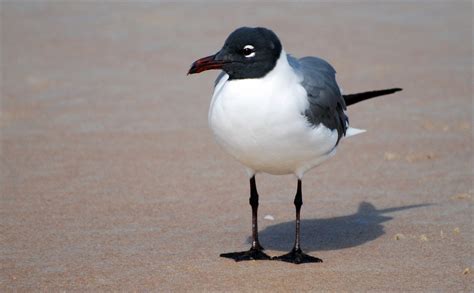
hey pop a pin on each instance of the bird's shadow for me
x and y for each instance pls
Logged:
(333, 233)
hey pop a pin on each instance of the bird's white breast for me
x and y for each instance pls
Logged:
(261, 123)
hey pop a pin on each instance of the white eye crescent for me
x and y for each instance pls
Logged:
(248, 51)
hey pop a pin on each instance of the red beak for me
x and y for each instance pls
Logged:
(206, 63)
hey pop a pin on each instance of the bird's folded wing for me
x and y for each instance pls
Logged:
(326, 104)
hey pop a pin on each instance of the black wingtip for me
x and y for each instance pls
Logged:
(355, 98)
(394, 90)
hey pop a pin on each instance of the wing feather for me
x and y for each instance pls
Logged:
(326, 104)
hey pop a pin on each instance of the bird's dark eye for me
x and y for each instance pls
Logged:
(248, 51)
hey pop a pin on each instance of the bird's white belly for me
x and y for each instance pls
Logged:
(262, 126)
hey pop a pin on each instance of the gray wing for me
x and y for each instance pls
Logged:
(326, 104)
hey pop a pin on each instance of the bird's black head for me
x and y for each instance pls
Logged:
(247, 53)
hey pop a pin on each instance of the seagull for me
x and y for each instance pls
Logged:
(276, 114)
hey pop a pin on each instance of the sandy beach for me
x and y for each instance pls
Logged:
(111, 180)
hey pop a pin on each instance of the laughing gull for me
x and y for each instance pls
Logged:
(276, 114)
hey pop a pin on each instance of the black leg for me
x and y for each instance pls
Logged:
(256, 250)
(296, 255)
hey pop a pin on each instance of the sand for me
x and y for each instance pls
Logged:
(110, 178)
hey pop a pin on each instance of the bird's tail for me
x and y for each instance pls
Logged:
(356, 98)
